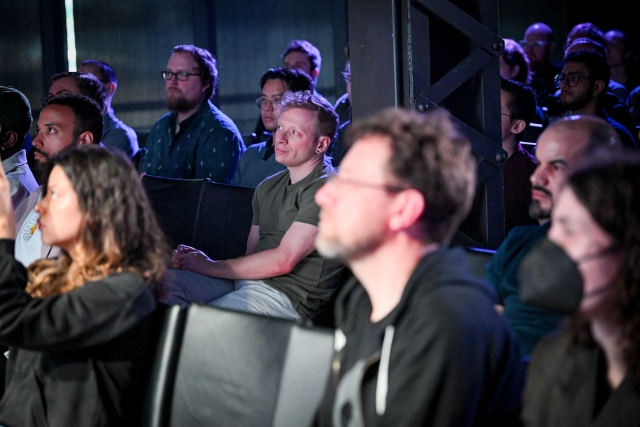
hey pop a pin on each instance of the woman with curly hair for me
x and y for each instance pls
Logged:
(81, 328)
(589, 375)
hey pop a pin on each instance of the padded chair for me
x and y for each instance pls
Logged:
(477, 259)
(238, 369)
(177, 205)
(224, 220)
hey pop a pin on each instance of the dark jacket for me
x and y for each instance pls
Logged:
(77, 359)
(452, 360)
(563, 388)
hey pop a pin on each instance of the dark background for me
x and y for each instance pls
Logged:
(246, 36)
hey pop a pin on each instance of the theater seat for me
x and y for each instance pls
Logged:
(241, 369)
(477, 259)
(212, 217)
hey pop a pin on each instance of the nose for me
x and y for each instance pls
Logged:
(41, 206)
(323, 196)
(539, 177)
(267, 105)
(37, 141)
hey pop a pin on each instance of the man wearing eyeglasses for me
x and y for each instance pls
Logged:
(195, 140)
(418, 340)
(259, 161)
(539, 44)
(583, 83)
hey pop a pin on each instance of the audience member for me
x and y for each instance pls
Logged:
(338, 148)
(259, 161)
(634, 108)
(539, 44)
(299, 55)
(514, 63)
(582, 85)
(195, 140)
(80, 328)
(73, 83)
(518, 108)
(281, 275)
(115, 133)
(589, 374)
(418, 340)
(625, 66)
(559, 147)
(67, 121)
(15, 122)
(343, 104)
(585, 30)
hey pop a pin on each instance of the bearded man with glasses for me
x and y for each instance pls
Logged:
(583, 83)
(196, 139)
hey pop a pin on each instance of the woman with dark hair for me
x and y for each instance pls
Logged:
(589, 375)
(80, 328)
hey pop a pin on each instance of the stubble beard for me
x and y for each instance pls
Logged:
(177, 102)
(536, 211)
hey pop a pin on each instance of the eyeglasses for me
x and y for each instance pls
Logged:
(336, 179)
(572, 79)
(539, 43)
(180, 75)
(271, 103)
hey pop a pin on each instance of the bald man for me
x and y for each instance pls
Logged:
(539, 44)
(559, 146)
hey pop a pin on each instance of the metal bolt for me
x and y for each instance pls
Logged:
(422, 107)
(500, 157)
(497, 45)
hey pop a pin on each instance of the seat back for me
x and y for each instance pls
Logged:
(157, 401)
(224, 220)
(177, 205)
(248, 370)
(477, 259)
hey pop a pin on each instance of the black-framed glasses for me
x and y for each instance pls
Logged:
(572, 79)
(335, 178)
(538, 43)
(264, 102)
(180, 75)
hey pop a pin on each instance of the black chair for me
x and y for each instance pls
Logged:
(177, 205)
(238, 369)
(224, 220)
(477, 259)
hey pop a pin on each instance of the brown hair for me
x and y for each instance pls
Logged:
(431, 156)
(119, 231)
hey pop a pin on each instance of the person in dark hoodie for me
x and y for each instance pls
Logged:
(81, 328)
(418, 340)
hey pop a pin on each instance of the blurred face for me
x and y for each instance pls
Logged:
(183, 96)
(355, 207)
(576, 97)
(295, 139)
(616, 53)
(555, 150)
(584, 241)
(298, 61)
(272, 91)
(60, 216)
(537, 48)
(63, 86)
(55, 131)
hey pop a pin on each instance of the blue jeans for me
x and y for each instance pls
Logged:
(252, 296)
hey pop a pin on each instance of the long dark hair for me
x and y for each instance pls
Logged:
(609, 188)
(119, 230)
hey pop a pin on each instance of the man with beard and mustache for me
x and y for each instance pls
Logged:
(418, 340)
(196, 140)
(582, 83)
(66, 121)
(560, 146)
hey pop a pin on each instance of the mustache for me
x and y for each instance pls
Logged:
(541, 189)
(39, 151)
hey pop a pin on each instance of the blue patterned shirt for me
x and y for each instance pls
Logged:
(118, 135)
(208, 145)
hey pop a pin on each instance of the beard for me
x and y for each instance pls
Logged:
(177, 102)
(536, 211)
(578, 102)
(333, 248)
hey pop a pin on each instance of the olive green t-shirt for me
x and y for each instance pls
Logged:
(277, 205)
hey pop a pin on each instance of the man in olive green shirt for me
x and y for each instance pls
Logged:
(281, 274)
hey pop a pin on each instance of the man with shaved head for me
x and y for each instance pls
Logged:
(539, 44)
(560, 145)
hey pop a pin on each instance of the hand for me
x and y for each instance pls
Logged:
(7, 221)
(190, 259)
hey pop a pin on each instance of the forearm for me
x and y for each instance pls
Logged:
(263, 265)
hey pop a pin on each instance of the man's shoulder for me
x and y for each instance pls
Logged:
(215, 118)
